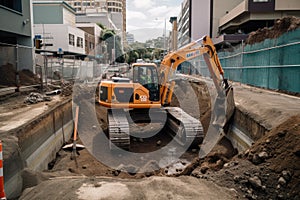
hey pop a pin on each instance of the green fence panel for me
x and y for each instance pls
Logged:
(273, 63)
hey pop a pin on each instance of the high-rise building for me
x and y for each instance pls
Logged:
(116, 9)
(83, 6)
(118, 6)
(193, 21)
(230, 20)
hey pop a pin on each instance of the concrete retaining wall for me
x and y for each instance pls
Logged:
(244, 130)
(35, 144)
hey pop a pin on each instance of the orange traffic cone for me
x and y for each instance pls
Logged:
(2, 193)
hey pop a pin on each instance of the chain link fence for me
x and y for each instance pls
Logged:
(16, 66)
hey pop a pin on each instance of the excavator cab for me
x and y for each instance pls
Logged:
(147, 76)
(140, 89)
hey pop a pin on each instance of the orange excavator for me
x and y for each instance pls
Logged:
(147, 90)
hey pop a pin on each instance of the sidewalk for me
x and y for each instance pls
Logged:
(268, 108)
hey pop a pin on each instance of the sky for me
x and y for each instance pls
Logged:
(147, 19)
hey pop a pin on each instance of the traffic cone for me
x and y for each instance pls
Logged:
(2, 193)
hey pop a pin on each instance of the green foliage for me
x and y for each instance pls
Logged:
(101, 26)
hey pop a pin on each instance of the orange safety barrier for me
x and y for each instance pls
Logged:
(2, 193)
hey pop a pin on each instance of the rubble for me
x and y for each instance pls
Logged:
(35, 97)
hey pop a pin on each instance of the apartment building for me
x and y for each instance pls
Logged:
(250, 15)
(92, 38)
(113, 10)
(54, 24)
(230, 20)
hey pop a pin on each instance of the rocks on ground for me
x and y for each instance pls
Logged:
(268, 170)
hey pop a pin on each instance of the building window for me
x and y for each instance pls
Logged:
(79, 42)
(91, 45)
(71, 39)
(12, 4)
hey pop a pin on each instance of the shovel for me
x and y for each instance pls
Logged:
(73, 155)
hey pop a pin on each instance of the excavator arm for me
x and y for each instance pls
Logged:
(224, 104)
(171, 61)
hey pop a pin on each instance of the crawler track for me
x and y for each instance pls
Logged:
(118, 129)
(187, 129)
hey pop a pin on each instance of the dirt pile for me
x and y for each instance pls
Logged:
(8, 76)
(281, 26)
(270, 169)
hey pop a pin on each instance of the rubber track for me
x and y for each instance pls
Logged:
(186, 128)
(118, 129)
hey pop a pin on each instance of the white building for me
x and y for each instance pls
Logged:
(69, 39)
(129, 38)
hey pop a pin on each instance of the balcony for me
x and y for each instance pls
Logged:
(251, 15)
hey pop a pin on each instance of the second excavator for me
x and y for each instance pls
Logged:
(147, 90)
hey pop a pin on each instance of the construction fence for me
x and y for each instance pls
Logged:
(16, 65)
(272, 64)
(67, 68)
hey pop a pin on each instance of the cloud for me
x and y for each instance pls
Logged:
(143, 4)
(142, 35)
(135, 15)
(151, 14)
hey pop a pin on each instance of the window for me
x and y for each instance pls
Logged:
(79, 42)
(71, 39)
(12, 4)
(91, 45)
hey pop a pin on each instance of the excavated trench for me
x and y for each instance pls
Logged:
(37, 144)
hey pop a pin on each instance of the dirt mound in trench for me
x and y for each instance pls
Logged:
(280, 27)
(270, 169)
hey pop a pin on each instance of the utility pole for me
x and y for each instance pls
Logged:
(173, 21)
(165, 32)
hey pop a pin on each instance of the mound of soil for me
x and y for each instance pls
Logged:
(8, 76)
(270, 169)
(27, 77)
(281, 26)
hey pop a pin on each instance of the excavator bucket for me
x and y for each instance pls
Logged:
(222, 112)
